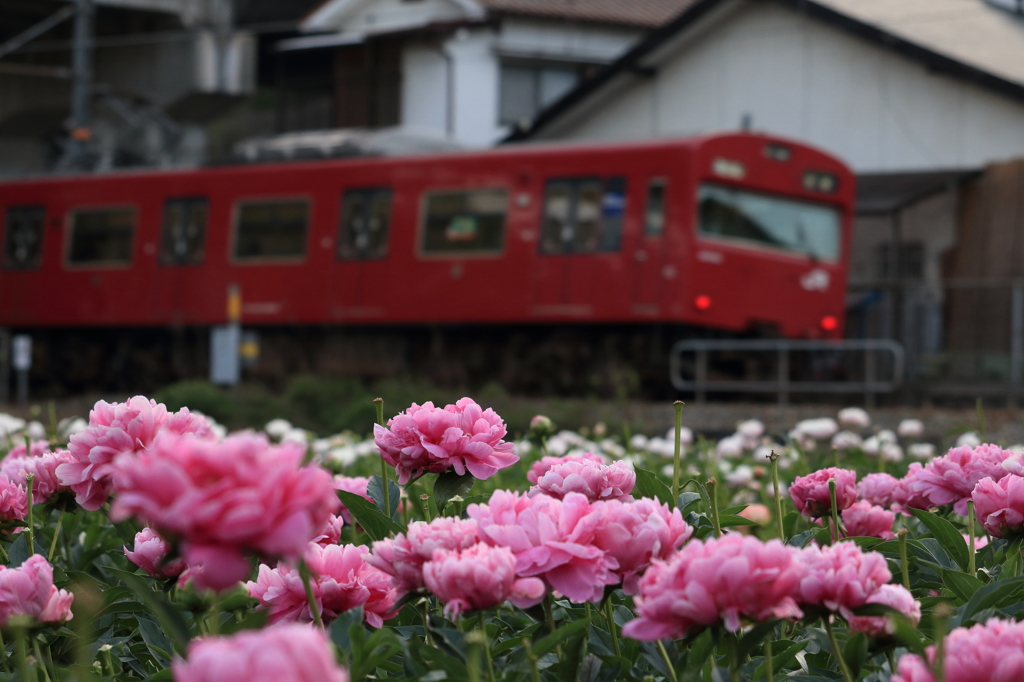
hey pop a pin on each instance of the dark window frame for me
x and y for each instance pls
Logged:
(367, 194)
(37, 262)
(170, 260)
(662, 183)
(236, 219)
(609, 238)
(72, 225)
(425, 253)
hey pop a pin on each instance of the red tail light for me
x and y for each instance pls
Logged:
(829, 323)
(702, 302)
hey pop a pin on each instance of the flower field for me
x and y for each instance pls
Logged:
(145, 544)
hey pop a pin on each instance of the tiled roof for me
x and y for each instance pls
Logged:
(645, 13)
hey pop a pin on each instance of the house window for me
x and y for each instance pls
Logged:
(102, 237)
(365, 219)
(23, 237)
(526, 88)
(465, 221)
(583, 215)
(271, 230)
(183, 241)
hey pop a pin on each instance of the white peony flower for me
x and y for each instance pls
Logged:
(892, 452)
(276, 428)
(970, 439)
(846, 440)
(921, 450)
(818, 429)
(730, 447)
(752, 429)
(854, 418)
(910, 428)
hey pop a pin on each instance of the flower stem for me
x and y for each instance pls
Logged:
(843, 668)
(734, 663)
(426, 623)
(678, 405)
(940, 613)
(213, 617)
(3, 654)
(307, 582)
(487, 647)
(379, 404)
(668, 662)
(971, 568)
(768, 664)
(835, 510)
(29, 530)
(712, 486)
(778, 501)
(40, 661)
(56, 534)
(534, 672)
(25, 671)
(549, 616)
(904, 568)
(425, 499)
(613, 627)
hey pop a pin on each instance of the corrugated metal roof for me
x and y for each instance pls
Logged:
(646, 13)
(969, 31)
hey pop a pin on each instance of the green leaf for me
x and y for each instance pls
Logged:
(947, 535)
(700, 650)
(753, 639)
(995, 593)
(366, 514)
(780, 658)
(649, 485)
(376, 492)
(789, 522)
(339, 628)
(548, 643)
(962, 584)
(686, 499)
(876, 610)
(17, 553)
(378, 648)
(156, 641)
(448, 485)
(171, 619)
(856, 652)
(730, 520)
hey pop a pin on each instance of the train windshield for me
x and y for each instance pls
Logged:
(761, 220)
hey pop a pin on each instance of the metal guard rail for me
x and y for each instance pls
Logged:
(783, 384)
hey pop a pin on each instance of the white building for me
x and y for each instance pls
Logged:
(467, 69)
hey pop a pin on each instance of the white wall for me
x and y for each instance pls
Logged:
(477, 72)
(424, 87)
(526, 37)
(801, 78)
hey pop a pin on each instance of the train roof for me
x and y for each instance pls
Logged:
(505, 151)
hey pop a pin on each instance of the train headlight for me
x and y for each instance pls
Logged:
(829, 323)
(702, 302)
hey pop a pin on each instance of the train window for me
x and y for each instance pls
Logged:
(654, 217)
(102, 237)
(583, 215)
(465, 221)
(271, 230)
(365, 221)
(183, 241)
(768, 221)
(23, 237)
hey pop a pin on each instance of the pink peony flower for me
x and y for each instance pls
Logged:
(878, 489)
(296, 653)
(595, 481)
(896, 596)
(541, 466)
(341, 580)
(114, 429)
(841, 577)
(863, 519)
(727, 580)
(950, 479)
(29, 591)
(225, 499)
(478, 578)
(150, 550)
(357, 485)
(13, 500)
(43, 466)
(1000, 505)
(993, 652)
(330, 532)
(402, 557)
(462, 437)
(906, 494)
(551, 539)
(635, 534)
(811, 495)
(980, 541)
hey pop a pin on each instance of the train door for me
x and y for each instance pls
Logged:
(649, 257)
(183, 232)
(362, 247)
(581, 233)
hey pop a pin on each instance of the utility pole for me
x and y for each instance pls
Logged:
(82, 85)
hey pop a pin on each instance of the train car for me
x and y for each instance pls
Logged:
(726, 234)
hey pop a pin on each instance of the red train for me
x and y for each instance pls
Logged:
(728, 232)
